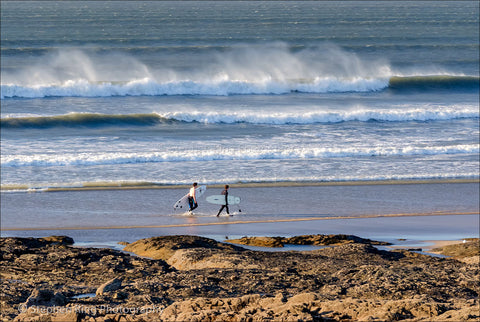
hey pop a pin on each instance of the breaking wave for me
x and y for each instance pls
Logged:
(90, 120)
(271, 68)
(150, 87)
(361, 115)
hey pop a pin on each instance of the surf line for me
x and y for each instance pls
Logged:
(248, 221)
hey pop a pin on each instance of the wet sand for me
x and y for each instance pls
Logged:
(413, 211)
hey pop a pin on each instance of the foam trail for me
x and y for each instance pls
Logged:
(89, 159)
(362, 115)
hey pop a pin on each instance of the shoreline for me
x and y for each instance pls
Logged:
(92, 186)
(414, 212)
(246, 221)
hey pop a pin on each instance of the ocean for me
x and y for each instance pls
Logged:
(307, 109)
(98, 93)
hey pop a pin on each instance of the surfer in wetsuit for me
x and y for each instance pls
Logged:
(192, 197)
(225, 193)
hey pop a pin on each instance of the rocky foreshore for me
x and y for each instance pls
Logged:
(190, 278)
(315, 240)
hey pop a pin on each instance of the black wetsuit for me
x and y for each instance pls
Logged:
(192, 203)
(225, 193)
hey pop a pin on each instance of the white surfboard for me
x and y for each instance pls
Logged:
(182, 203)
(220, 200)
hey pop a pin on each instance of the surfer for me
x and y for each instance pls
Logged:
(225, 193)
(192, 197)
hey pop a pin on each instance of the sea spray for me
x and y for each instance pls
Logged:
(272, 68)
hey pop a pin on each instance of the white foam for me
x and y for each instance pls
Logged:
(41, 187)
(90, 159)
(149, 87)
(363, 115)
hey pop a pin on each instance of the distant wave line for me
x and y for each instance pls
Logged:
(149, 87)
(440, 82)
(244, 183)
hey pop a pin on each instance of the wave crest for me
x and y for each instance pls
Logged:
(81, 120)
(89, 120)
(429, 83)
(149, 87)
(361, 115)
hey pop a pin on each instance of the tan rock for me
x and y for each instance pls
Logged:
(308, 306)
(64, 240)
(187, 259)
(303, 298)
(165, 246)
(473, 260)
(461, 250)
(259, 241)
(67, 317)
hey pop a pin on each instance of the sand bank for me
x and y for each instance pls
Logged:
(125, 185)
(237, 222)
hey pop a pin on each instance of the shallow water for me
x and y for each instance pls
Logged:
(128, 215)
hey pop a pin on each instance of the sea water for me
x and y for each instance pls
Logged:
(171, 92)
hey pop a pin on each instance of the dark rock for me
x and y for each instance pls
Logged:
(45, 297)
(109, 286)
(353, 281)
(330, 240)
(318, 240)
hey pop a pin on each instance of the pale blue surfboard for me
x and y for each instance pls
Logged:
(220, 200)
